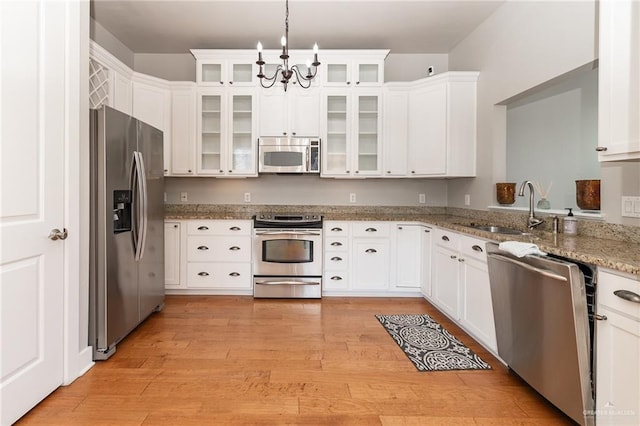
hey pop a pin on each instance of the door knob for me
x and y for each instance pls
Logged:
(57, 234)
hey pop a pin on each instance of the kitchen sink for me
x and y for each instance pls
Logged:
(497, 229)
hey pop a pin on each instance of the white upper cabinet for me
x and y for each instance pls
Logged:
(225, 68)
(395, 131)
(353, 69)
(619, 80)
(183, 129)
(352, 132)
(428, 130)
(295, 112)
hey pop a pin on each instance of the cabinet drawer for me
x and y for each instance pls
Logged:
(473, 248)
(336, 280)
(608, 283)
(370, 229)
(446, 238)
(336, 229)
(219, 275)
(219, 227)
(336, 261)
(218, 249)
(336, 244)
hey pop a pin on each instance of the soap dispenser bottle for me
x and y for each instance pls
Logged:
(570, 226)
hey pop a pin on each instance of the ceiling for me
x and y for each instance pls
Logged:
(414, 26)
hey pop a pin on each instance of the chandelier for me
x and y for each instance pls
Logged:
(283, 71)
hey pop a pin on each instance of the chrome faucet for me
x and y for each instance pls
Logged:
(533, 221)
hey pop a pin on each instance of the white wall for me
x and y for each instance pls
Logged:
(522, 45)
(105, 39)
(172, 67)
(410, 67)
(296, 189)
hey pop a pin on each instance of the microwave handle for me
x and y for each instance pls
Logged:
(308, 168)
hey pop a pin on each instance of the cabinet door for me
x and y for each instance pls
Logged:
(428, 131)
(172, 254)
(618, 369)
(242, 143)
(425, 285)
(370, 264)
(152, 104)
(368, 131)
(211, 130)
(338, 73)
(304, 112)
(273, 119)
(183, 128)
(395, 132)
(122, 93)
(408, 256)
(619, 76)
(336, 160)
(445, 279)
(241, 72)
(476, 312)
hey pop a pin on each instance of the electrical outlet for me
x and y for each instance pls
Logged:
(430, 70)
(467, 199)
(184, 197)
(247, 197)
(352, 197)
(422, 198)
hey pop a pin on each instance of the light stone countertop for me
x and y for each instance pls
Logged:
(610, 246)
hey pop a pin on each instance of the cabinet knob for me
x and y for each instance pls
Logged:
(461, 260)
(221, 171)
(348, 171)
(400, 227)
(203, 248)
(413, 171)
(601, 148)
(189, 170)
(348, 82)
(445, 238)
(388, 171)
(371, 251)
(293, 133)
(357, 82)
(222, 82)
(284, 133)
(203, 274)
(357, 171)
(231, 82)
(453, 256)
(166, 171)
(175, 226)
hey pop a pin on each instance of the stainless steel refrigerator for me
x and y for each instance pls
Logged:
(127, 227)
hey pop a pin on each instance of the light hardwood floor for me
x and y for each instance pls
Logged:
(235, 360)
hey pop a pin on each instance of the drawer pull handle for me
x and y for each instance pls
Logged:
(234, 228)
(336, 243)
(477, 248)
(371, 251)
(628, 295)
(203, 248)
(336, 258)
(234, 274)
(234, 248)
(203, 228)
(445, 238)
(400, 227)
(336, 278)
(601, 148)
(371, 230)
(336, 229)
(203, 274)
(453, 256)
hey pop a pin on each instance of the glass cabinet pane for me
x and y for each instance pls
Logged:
(242, 73)
(211, 133)
(336, 134)
(367, 133)
(242, 150)
(337, 73)
(211, 72)
(368, 73)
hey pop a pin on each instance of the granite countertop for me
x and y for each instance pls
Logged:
(601, 247)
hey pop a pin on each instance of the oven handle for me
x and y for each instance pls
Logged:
(287, 233)
(287, 282)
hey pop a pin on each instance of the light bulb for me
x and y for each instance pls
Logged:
(315, 48)
(259, 47)
(283, 41)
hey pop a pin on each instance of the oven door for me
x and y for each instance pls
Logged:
(287, 253)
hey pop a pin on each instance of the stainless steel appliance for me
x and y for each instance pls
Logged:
(127, 227)
(289, 155)
(287, 255)
(544, 314)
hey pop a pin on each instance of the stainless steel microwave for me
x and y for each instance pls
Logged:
(289, 155)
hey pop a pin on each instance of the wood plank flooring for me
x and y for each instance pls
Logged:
(219, 360)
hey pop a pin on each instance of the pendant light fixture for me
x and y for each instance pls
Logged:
(284, 71)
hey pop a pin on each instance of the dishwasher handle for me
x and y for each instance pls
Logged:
(545, 272)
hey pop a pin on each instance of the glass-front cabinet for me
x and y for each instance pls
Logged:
(366, 70)
(352, 132)
(226, 132)
(226, 68)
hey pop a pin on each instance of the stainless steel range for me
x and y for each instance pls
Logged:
(287, 253)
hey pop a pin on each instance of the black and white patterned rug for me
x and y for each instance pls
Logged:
(428, 345)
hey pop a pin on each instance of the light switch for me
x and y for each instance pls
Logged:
(630, 207)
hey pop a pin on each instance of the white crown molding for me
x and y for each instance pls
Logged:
(103, 56)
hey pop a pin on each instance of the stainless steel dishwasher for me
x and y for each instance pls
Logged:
(543, 311)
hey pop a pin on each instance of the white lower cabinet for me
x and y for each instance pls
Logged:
(617, 349)
(172, 256)
(412, 258)
(370, 246)
(460, 283)
(218, 256)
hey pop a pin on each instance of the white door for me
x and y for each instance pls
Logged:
(32, 161)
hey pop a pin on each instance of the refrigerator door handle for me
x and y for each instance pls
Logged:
(142, 179)
(138, 207)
